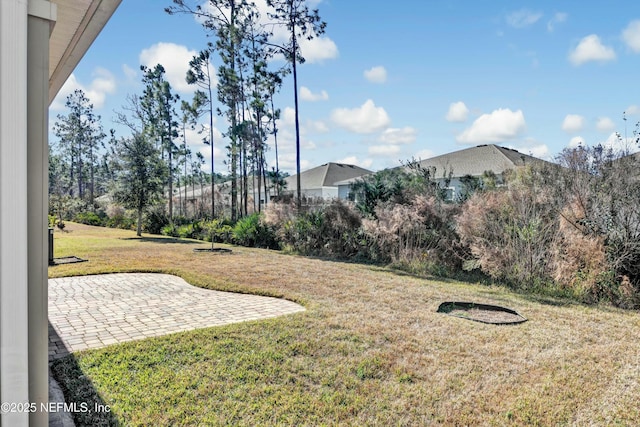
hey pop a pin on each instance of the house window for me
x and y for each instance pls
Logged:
(449, 193)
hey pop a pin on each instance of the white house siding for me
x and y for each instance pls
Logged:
(14, 347)
(329, 193)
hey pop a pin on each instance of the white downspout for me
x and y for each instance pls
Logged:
(42, 16)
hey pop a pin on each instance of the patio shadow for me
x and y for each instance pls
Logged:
(82, 399)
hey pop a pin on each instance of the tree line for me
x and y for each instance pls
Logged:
(144, 168)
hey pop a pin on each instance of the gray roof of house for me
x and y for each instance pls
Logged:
(475, 161)
(326, 175)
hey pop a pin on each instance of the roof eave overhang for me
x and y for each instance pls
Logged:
(78, 24)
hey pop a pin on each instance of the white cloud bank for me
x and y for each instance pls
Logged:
(558, 18)
(576, 142)
(396, 136)
(307, 95)
(175, 60)
(103, 83)
(365, 119)
(605, 124)
(498, 126)
(591, 49)
(376, 75)
(523, 18)
(318, 49)
(353, 160)
(631, 36)
(384, 150)
(573, 123)
(458, 112)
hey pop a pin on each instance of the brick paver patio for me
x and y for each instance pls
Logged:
(95, 311)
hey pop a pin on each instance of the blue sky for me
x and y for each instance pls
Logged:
(389, 82)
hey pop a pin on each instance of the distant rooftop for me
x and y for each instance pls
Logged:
(475, 161)
(326, 175)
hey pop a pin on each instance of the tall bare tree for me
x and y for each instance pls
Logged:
(301, 22)
(200, 74)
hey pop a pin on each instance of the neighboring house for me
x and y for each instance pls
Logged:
(328, 181)
(451, 169)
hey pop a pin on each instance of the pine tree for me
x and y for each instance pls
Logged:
(80, 138)
(158, 106)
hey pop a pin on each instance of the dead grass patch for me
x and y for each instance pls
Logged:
(370, 349)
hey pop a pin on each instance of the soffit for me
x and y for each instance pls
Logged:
(78, 24)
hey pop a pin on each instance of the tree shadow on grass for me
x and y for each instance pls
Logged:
(485, 283)
(79, 392)
(163, 240)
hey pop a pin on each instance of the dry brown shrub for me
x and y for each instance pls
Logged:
(115, 211)
(627, 294)
(278, 213)
(416, 234)
(509, 233)
(579, 259)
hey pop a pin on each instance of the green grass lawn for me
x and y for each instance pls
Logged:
(370, 349)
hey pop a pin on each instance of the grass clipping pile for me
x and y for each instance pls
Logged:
(484, 313)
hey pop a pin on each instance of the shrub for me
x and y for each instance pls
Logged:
(252, 231)
(117, 217)
(170, 230)
(598, 196)
(341, 231)
(155, 219)
(333, 230)
(510, 233)
(217, 231)
(579, 259)
(89, 218)
(418, 235)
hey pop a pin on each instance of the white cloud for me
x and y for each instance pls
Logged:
(103, 83)
(376, 74)
(631, 35)
(384, 150)
(576, 142)
(523, 18)
(129, 72)
(218, 155)
(589, 49)
(458, 112)
(288, 117)
(632, 110)
(405, 135)
(175, 60)
(558, 18)
(307, 95)
(424, 154)
(605, 124)
(501, 125)
(617, 143)
(318, 49)
(287, 163)
(316, 126)
(573, 123)
(365, 119)
(539, 151)
(353, 160)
